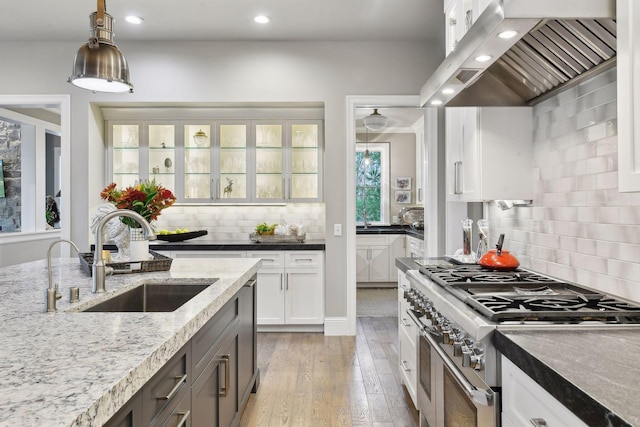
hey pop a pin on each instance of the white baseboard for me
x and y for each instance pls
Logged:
(337, 326)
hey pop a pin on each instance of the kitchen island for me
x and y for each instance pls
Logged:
(72, 368)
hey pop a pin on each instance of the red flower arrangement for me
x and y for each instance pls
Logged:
(147, 198)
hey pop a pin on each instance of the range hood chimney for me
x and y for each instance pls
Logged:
(557, 43)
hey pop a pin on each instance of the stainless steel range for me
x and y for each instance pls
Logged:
(458, 307)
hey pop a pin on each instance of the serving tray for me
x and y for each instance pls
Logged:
(181, 236)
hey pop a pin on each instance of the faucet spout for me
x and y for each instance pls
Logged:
(98, 269)
(52, 294)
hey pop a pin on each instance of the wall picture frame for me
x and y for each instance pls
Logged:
(403, 183)
(402, 197)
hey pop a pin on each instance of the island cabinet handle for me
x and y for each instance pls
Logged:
(184, 417)
(404, 366)
(249, 284)
(174, 390)
(405, 323)
(538, 422)
(224, 391)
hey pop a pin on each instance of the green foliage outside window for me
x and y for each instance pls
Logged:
(368, 187)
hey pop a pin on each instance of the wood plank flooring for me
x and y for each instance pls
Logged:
(308, 379)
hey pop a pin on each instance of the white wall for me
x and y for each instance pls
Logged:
(205, 72)
(580, 227)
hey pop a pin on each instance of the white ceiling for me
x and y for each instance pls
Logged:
(304, 20)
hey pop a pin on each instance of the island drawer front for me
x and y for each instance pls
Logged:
(206, 340)
(269, 259)
(161, 391)
(178, 414)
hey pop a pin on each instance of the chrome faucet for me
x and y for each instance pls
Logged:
(52, 292)
(99, 271)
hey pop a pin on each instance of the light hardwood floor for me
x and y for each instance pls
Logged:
(308, 379)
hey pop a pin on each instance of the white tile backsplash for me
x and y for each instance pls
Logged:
(580, 228)
(237, 222)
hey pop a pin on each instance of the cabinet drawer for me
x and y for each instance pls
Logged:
(205, 342)
(269, 259)
(303, 259)
(372, 240)
(178, 414)
(162, 390)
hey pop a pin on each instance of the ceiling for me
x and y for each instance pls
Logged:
(303, 20)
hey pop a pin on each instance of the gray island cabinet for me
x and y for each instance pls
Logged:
(195, 366)
(207, 383)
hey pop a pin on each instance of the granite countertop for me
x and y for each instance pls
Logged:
(593, 372)
(391, 229)
(77, 369)
(201, 244)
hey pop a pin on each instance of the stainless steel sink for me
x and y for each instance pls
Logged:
(150, 297)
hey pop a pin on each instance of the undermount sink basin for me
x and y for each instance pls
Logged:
(150, 297)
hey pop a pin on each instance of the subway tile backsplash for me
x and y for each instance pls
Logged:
(237, 222)
(579, 228)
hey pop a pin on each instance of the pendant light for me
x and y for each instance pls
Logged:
(99, 65)
(200, 138)
(375, 121)
(367, 155)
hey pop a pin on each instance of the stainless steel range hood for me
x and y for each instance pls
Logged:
(557, 43)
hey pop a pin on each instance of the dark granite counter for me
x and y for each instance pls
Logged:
(593, 372)
(239, 245)
(391, 229)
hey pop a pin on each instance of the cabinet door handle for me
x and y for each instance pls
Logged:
(281, 281)
(249, 284)
(174, 390)
(184, 416)
(419, 194)
(217, 193)
(457, 177)
(404, 366)
(284, 189)
(538, 422)
(286, 282)
(289, 188)
(224, 391)
(404, 322)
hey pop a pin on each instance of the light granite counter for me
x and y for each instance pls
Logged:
(593, 372)
(77, 369)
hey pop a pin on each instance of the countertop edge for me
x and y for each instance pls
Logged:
(575, 399)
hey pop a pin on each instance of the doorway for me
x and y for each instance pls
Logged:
(357, 106)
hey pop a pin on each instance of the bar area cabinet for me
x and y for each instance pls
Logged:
(220, 161)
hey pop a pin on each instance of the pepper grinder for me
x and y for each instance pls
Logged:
(467, 224)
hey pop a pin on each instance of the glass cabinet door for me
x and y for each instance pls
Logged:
(268, 161)
(232, 182)
(162, 154)
(197, 162)
(126, 153)
(305, 161)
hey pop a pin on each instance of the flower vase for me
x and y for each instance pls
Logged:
(138, 246)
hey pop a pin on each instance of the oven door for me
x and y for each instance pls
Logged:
(447, 396)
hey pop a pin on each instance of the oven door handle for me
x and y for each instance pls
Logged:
(482, 397)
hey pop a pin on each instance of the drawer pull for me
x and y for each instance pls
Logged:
(538, 422)
(224, 391)
(174, 390)
(404, 366)
(404, 322)
(304, 259)
(184, 418)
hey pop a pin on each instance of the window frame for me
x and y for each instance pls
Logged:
(383, 149)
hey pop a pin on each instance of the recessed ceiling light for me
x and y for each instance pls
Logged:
(483, 58)
(508, 34)
(436, 102)
(447, 91)
(262, 19)
(132, 19)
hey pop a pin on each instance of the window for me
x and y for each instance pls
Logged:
(372, 184)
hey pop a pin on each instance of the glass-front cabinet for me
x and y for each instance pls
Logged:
(221, 161)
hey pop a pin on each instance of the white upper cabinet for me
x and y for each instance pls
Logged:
(628, 69)
(489, 153)
(459, 16)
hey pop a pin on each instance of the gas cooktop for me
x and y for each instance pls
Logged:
(523, 295)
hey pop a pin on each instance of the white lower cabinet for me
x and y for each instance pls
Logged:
(525, 402)
(376, 256)
(414, 247)
(290, 287)
(408, 339)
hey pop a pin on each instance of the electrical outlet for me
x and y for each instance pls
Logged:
(337, 229)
